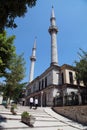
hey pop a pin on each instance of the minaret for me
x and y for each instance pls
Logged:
(33, 59)
(53, 32)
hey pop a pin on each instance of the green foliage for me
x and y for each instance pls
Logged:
(81, 67)
(25, 114)
(13, 107)
(18, 92)
(12, 67)
(10, 9)
(7, 50)
(14, 77)
(1, 87)
(17, 69)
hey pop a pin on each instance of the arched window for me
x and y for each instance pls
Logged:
(62, 75)
(42, 83)
(71, 77)
(46, 82)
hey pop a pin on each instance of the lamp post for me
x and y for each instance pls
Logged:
(41, 98)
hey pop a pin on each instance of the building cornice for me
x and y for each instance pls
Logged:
(44, 73)
(66, 66)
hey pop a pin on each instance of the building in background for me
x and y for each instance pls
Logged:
(57, 85)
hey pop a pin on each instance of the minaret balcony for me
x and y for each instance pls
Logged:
(53, 29)
(52, 18)
(33, 58)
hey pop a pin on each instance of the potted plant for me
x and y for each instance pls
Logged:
(27, 118)
(13, 107)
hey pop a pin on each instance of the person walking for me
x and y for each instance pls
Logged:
(36, 103)
(31, 102)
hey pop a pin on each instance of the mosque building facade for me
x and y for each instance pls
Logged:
(57, 85)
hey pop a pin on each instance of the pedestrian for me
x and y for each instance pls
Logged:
(36, 103)
(31, 102)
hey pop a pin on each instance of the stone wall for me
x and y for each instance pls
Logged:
(77, 113)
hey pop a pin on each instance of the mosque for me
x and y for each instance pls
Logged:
(57, 85)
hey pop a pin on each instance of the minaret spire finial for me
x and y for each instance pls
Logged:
(33, 59)
(52, 14)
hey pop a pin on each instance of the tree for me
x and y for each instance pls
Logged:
(7, 50)
(10, 9)
(14, 77)
(12, 67)
(19, 92)
(2, 86)
(81, 68)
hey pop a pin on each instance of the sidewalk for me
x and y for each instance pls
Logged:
(46, 119)
(65, 120)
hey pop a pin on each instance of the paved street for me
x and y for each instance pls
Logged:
(46, 119)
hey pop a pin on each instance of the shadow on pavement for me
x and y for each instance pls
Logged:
(2, 119)
(1, 128)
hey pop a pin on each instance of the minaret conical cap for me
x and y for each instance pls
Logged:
(34, 47)
(52, 13)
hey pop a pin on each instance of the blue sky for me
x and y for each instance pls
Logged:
(71, 19)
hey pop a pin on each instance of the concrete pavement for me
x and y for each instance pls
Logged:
(46, 119)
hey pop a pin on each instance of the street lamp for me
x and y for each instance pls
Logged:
(41, 98)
